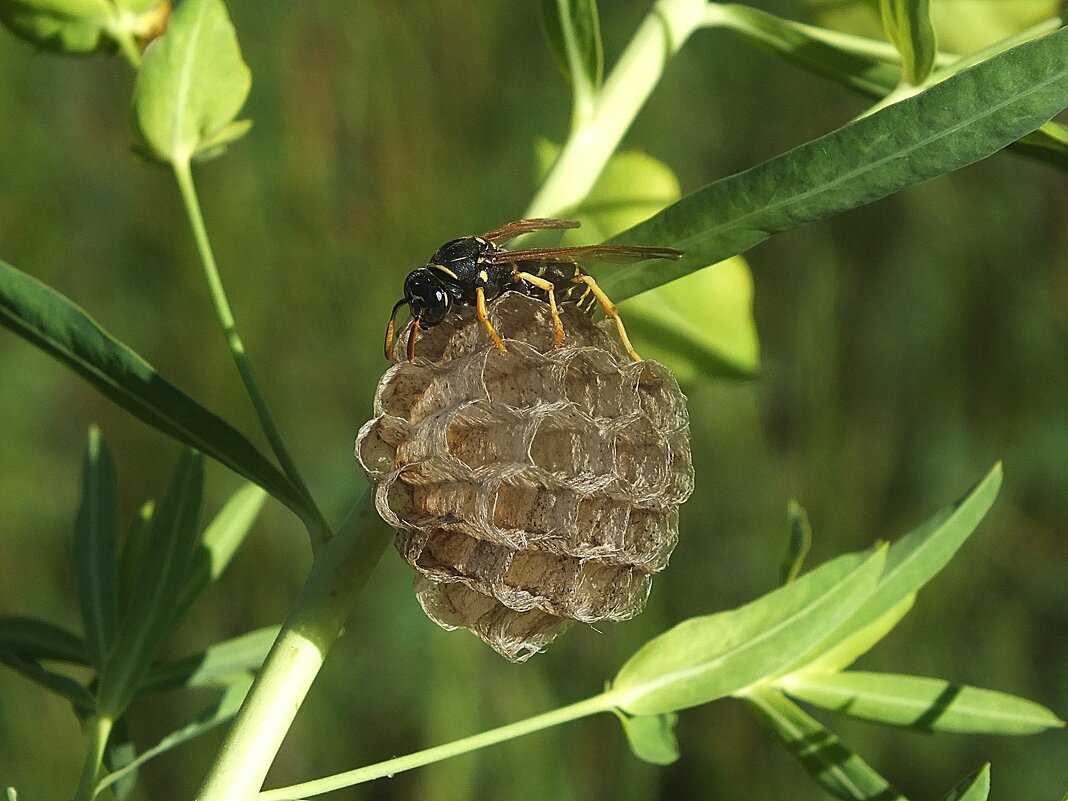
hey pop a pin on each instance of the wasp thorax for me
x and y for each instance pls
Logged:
(533, 488)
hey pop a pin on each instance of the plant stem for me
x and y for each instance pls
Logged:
(128, 47)
(594, 139)
(590, 706)
(99, 731)
(183, 175)
(339, 571)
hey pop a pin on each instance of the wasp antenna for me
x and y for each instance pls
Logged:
(411, 339)
(389, 328)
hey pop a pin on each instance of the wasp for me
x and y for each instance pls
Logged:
(474, 269)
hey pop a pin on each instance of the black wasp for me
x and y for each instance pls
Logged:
(474, 269)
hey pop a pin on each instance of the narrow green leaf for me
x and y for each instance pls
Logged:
(921, 703)
(651, 737)
(96, 532)
(798, 544)
(11, 794)
(160, 581)
(133, 552)
(573, 29)
(908, 26)
(58, 683)
(835, 768)
(217, 665)
(213, 716)
(36, 639)
(860, 639)
(967, 117)
(706, 658)
(192, 82)
(972, 788)
(220, 542)
(913, 561)
(61, 329)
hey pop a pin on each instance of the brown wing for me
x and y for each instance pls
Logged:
(620, 254)
(514, 229)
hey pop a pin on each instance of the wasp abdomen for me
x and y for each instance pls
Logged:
(563, 276)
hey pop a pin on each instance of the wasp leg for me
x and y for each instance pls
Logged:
(610, 310)
(548, 288)
(411, 339)
(480, 295)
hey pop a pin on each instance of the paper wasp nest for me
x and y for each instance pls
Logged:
(529, 489)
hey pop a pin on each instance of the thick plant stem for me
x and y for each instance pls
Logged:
(99, 731)
(339, 571)
(595, 138)
(319, 529)
(565, 714)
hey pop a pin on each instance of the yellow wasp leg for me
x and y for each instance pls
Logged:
(480, 295)
(548, 288)
(610, 310)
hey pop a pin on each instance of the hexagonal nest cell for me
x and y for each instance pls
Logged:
(529, 489)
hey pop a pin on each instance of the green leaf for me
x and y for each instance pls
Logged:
(118, 757)
(921, 703)
(96, 531)
(73, 27)
(908, 26)
(967, 117)
(798, 544)
(220, 542)
(973, 788)
(35, 639)
(159, 585)
(213, 716)
(217, 665)
(58, 683)
(573, 29)
(192, 83)
(706, 658)
(57, 326)
(698, 326)
(911, 562)
(133, 552)
(651, 737)
(835, 768)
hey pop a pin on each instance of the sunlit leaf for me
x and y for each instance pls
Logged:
(651, 737)
(908, 26)
(73, 27)
(159, 584)
(705, 658)
(35, 639)
(61, 329)
(217, 665)
(835, 768)
(921, 703)
(96, 549)
(911, 562)
(973, 788)
(220, 542)
(192, 82)
(954, 123)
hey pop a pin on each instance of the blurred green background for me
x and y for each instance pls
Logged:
(906, 346)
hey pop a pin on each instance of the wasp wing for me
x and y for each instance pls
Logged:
(514, 229)
(619, 254)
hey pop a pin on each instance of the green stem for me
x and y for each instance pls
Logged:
(319, 529)
(565, 714)
(128, 47)
(339, 571)
(99, 731)
(594, 139)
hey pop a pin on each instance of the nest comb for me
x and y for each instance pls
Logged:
(529, 489)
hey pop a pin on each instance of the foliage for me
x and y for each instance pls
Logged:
(935, 113)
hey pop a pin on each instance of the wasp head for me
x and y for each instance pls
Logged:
(428, 300)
